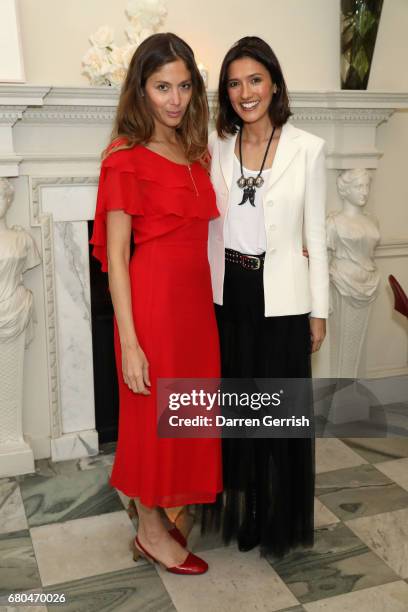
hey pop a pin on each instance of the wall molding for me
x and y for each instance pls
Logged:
(11, 114)
(103, 114)
(50, 104)
(392, 248)
(69, 114)
(387, 372)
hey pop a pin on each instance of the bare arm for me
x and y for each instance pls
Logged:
(135, 367)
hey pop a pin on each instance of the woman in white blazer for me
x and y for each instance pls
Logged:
(271, 300)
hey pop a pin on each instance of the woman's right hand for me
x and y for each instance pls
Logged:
(135, 370)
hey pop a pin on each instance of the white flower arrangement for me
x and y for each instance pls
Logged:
(105, 63)
(146, 13)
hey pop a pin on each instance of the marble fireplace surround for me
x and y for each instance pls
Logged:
(62, 183)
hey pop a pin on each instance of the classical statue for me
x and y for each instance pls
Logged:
(352, 236)
(18, 253)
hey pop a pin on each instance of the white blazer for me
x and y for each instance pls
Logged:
(294, 212)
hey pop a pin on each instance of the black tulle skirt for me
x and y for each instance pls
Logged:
(280, 471)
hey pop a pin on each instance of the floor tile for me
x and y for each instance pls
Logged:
(26, 606)
(392, 597)
(18, 565)
(209, 541)
(81, 534)
(213, 539)
(338, 563)
(83, 547)
(102, 460)
(235, 582)
(332, 454)
(23, 608)
(322, 515)
(123, 498)
(12, 514)
(130, 590)
(68, 496)
(376, 450)
(359, 491)
(387, 535)
(396, 470)
(46, 467)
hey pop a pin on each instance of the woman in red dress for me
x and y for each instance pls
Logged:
(153, 184)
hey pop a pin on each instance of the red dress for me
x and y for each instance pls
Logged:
(173, 316)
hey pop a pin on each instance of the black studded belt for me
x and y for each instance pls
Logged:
(249, 262)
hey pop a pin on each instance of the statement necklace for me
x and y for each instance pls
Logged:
(250, 183)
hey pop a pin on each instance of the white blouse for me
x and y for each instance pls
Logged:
(244, 228)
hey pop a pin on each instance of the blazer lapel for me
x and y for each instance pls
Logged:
(285, 152)
(227, 147)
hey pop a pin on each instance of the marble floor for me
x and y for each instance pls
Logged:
(64, 530)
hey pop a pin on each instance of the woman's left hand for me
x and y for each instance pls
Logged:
(317, 333)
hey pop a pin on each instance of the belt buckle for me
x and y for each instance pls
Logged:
(257, 259)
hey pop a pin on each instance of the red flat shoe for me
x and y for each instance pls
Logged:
(191, 566)
(174, 531)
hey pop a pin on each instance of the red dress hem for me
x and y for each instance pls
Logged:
(185, 501)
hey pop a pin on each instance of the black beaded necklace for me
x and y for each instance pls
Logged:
(250, 183)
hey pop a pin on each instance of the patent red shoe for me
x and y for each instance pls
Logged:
(174, 531)
(178, 536)
(191, 566)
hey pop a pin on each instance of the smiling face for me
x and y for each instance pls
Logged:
(250, 89)
(168, 92)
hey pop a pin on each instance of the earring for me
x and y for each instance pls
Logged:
(275, 89)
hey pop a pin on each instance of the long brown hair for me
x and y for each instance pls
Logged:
(228, 122)
(134, 123)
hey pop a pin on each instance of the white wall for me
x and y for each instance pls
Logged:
(389, 69)
(304, 34)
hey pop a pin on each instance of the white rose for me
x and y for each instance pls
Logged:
(136, 36)
(128, 53)
(95, 63)
(103, 37)
(116, 56)
(100, 81)
(132, 33)
(150, 13)
(116, 75)
(94, 78)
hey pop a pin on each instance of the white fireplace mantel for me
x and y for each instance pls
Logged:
(50, 142)
(346, 119)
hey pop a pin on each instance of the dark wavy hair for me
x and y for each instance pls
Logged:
(228, 122)
(134, 123)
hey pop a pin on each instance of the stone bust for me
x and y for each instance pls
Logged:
(352, 236)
